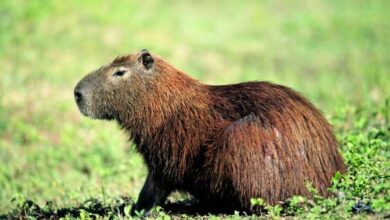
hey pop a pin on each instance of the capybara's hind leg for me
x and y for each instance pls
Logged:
(250, 160)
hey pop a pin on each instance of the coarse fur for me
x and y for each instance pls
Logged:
(222, 144)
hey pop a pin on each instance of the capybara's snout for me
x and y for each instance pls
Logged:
(78, 94)
(81, 96)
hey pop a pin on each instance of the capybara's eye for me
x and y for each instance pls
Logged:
(119, 73)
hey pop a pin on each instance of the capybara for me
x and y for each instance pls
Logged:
(223, 144)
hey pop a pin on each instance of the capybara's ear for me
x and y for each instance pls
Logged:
(146, 59)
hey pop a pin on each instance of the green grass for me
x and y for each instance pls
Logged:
(334, 52)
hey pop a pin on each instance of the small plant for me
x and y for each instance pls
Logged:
(258, 202)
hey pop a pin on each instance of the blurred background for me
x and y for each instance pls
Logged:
(334, 52)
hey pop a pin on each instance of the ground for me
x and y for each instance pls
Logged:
(54, 160)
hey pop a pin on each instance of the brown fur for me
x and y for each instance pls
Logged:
(222, 144)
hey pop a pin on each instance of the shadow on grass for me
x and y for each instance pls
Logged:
(95, 208)
(91, 207)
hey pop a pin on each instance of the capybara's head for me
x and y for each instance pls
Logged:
(115, 88)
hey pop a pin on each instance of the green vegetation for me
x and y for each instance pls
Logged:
(335, 52)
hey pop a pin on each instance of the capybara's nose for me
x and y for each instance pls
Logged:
(78, 95)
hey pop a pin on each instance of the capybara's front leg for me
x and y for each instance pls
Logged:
(150, 196)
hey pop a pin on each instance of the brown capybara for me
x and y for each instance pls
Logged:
(222, 144)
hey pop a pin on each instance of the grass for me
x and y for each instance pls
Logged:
(335, 52)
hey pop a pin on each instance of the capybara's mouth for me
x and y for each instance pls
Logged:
(85, 109)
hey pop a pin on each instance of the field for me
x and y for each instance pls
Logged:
(54, 160)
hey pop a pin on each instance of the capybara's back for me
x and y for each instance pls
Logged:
(222, 144)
